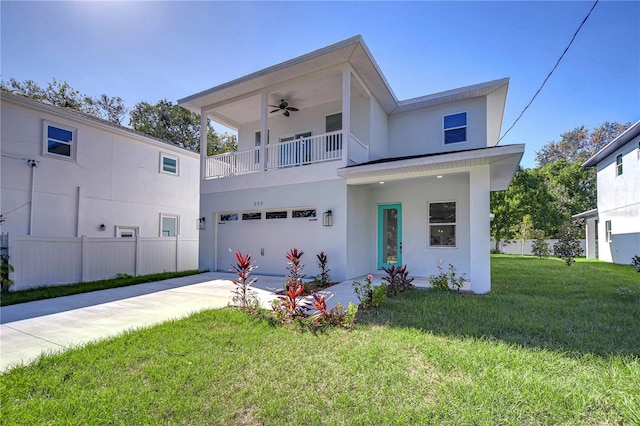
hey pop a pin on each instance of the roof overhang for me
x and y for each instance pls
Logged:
(503, 162)
(622, 139)
(586, 215)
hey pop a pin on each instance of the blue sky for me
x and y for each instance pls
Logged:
(154, 50)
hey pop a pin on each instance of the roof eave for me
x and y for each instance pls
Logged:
(622, 139)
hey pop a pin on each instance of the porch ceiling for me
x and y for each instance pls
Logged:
(503, 160)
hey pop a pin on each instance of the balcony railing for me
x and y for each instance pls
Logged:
(293, 153)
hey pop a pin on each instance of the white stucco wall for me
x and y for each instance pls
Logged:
(379, 131)
(619, 202)
(118, 176)
(421, 131)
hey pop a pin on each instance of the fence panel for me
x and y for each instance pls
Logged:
(107, 257)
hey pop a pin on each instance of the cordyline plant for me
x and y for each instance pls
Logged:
(323, 276)
(291, 304)
(243, 296)
(397, 279)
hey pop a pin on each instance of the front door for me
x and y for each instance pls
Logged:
(389, 235)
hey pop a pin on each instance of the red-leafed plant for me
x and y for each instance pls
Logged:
(397, 279)
(243, 296)
(291, 305)
(323, 276)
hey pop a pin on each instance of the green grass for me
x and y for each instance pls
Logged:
(550, 345)
(39, 293)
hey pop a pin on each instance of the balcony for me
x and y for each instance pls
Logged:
(286, 154)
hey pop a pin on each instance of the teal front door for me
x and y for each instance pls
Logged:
(389, 235)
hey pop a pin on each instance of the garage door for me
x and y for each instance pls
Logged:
(267, 236)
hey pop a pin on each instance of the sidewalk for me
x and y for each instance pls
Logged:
(54, 325)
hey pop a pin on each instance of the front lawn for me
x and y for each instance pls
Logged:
(550, 345)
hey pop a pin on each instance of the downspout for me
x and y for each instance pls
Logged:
(33, 164)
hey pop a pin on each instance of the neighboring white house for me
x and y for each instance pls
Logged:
(83, 199)
(330, 160)
(617, 218)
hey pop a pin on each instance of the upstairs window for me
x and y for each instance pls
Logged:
(59, 141)
(607, 231)
(619, 165)
(455, 128)
(333, 123)
(169, 164)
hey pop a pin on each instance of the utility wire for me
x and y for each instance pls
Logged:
(552, 70)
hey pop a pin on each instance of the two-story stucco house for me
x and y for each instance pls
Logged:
(330, 160)
(616, 221)
(83, 199)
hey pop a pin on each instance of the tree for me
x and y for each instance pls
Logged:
(540, 246)
(108, 108)
(572, 187)
(568, 246)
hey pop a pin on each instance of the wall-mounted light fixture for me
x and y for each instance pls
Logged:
(327, 218)
(201, 223)
(102, 227)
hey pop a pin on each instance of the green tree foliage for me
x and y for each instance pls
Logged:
(568, 246)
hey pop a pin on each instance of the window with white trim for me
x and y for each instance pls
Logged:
(169, 164)
(455, 128)
(59, 141)
(333, 123)
(607, 231)
(126, 231)
(442, 224)
(619, 165)
(169, 225)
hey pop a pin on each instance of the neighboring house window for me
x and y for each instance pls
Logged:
(276, 215)
(228, 217)
(303, 213)
(607, 231)
(442, 224)
(619, 165)
(168, 226)
(59, 141)
(169, 164)
(455, 128)
(126, 231)
(252, 216)
(333, 123)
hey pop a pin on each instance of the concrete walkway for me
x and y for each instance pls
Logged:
(53, 325)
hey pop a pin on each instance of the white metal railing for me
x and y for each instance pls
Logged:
(358, 151)
(292, 153)
(303, 151)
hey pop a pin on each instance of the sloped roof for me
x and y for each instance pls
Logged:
(622, 139)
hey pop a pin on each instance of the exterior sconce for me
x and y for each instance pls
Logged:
(201, 224)
(102, 227)
(327, 219)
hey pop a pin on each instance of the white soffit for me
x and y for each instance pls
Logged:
(504, 161)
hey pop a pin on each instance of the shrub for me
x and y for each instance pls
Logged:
(378, 295)
(540, 246)
(323, 276)
(568, 246)
(291, 304)
(243, 296)
(364, 292)
(635, 261)
(349, 317)
(5, 270)
(397, 279)
(449, 280)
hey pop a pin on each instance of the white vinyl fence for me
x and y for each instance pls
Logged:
(39, 261)
(525, 247)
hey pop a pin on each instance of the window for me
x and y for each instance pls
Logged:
(168, 226)
(168, 164)
(126, 231)
(252, 216)
(228, 217)
(276, 215)
(333, 123)
(59, 141)
(607, 231)
(442, 224)
(455, 128)
(619, 165)
(257, 138)
(303, 213)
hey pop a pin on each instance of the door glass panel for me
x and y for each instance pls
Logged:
(390, 231)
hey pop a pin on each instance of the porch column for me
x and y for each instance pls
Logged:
(346, 114)
(591, 237)
(479, 233)
(264, 103)
(203, 143)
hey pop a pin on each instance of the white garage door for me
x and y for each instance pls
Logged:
(267, 236)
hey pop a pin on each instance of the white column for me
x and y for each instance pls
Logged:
(346, 114)
(479, 234)
(203, 143)
(264, 103)
(591, 237)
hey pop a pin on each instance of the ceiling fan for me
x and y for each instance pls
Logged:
(284, 106)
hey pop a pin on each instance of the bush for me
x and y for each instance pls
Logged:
(243, 296)
(568, 246)
(5, 270)
(378, 295)
(397, 279)
(449, 280)
(540, 246)
(323, 277)
(635, 261)
(364, 292)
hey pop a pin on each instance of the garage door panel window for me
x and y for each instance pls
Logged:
(252, 216)
(308, 213)
(228, 217)
(276, 215)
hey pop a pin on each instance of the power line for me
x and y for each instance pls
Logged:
(552, 70)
